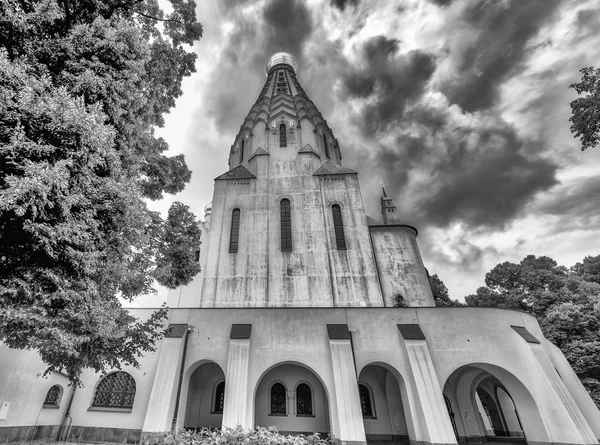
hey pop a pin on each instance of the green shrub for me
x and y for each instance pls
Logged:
(238, 435)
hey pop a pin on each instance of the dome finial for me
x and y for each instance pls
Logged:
(281, 58)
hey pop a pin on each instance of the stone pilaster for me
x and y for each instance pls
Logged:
(161, 406)
(235, 409)
(350, 427)
(580, 432)
(433, 420)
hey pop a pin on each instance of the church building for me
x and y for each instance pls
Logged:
(311, 316)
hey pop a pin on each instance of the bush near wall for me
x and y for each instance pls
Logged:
(238, 435)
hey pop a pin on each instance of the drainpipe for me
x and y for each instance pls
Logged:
(174, 424)
(67, 415)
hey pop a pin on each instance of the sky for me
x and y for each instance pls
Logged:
(459, 107)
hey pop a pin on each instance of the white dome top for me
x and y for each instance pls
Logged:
(279, 58)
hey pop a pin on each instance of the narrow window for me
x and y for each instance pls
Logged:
(286, 225)
(234, 236)
(278, 399)
(52, 397)
(116, 390)
(338, 225)
(242, 150)
(365, 401)
(325, 145)
(303, 400)
(282, 136)
(219, 399)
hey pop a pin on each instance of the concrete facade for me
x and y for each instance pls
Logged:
(301, 299)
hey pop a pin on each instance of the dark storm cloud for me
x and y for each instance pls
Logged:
(389, 79)
(502, 31)
(236, 83)
(442, 2)
(341, 4)
(489, 186)
(578, 199)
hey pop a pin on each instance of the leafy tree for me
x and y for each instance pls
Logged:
(585, 118)
(440, 293)
(565, 302)
(83, 83)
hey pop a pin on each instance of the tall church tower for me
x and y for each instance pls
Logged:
(288, 226)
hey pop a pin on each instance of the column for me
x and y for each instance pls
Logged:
(235, 409)
(350, 427)
(433, 419)
(161, 406)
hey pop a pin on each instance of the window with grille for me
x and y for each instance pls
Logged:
(278, 399)
(282, 136)
(234, 236)
(219, 399)
(325, 145)
(286, 225)
(365, 401)
(304, 400)
(242, 149)
(116, 390)
(53, 396)
(338, 225)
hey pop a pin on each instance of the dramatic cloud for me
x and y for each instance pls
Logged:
(388, 80)
(491, 47)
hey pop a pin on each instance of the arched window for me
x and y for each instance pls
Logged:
(338, 225)
(116, 390)
(286, 225)
(52, 399)
(325, 145)
(365, 401)
(278, 399)
(234, 236)
(282, 136)
(219, 398)
(304, 400)
(242, 149)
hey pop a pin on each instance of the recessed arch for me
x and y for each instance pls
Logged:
(202, 396)
(391, 401)
(462, 387)
(292, 374)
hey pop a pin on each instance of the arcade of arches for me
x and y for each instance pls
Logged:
(293, 399)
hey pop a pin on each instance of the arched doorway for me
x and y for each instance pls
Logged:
(205, 398)
(292, 398)
(480, 404)
(382, 406)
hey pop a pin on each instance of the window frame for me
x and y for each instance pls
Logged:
(270, 399)
(56, 403)
(234, 231)
(94, 406)
(371, 399)
(285, 223)
(312, 399)
(325, 145)
(242, 143)
(215, 400)
(282, 135)
(338, 227)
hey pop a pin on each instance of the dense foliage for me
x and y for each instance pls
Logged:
(585, 118)
(440, 293)
(565, 301)
(83, 83)
(239, 435)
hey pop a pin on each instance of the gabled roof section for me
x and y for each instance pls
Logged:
(240, 172)
(308, 149)
(259, 152)
(372, 221)
(329, 168)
